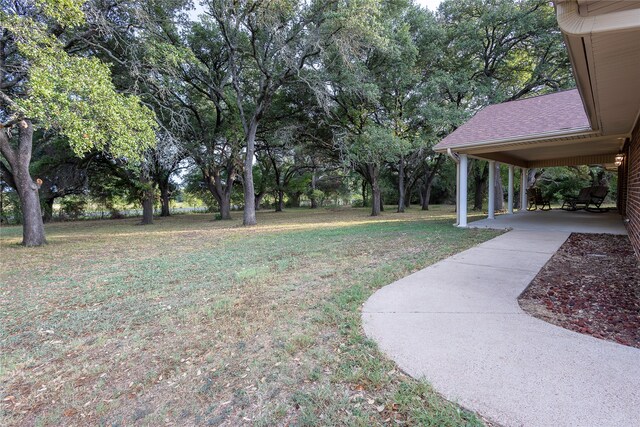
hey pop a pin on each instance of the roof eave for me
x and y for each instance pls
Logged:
(572, 23)
(578, 31)
(546, 136)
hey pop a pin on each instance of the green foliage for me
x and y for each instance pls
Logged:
(74, 94)
(11, 209)
(196, 193)
(500, 50)
(560, 182)
(382, 81)
(317, 194)
(65, 12)
(73, 207)
(375, 144)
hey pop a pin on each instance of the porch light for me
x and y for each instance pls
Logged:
(618, 159)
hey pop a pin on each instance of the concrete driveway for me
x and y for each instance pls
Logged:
(556, 220)
(457, 324)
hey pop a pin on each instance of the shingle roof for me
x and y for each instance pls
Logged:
(553, 113)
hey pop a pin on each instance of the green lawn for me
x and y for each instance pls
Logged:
(198, 322)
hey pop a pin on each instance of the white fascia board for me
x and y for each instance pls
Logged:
(572, 23)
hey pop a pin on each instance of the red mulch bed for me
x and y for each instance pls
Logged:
(592, 286)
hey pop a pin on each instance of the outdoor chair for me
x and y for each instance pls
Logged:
(589, 199)
(574, 203)
(597, 197)
(537, 200)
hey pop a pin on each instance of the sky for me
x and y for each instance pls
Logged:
(431, 4)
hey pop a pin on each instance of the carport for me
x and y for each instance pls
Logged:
(597, 123)
(543, 131)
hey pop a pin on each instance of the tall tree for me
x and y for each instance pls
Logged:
(61, 171)
(193, 93)
(368, 151)
(270, 45)
(43, 85)
(402, 71)
(496, 51)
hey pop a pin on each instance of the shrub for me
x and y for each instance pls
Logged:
(73, 207)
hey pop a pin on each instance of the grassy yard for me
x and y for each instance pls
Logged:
(198, 322)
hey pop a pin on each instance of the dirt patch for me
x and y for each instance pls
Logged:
(592, 286)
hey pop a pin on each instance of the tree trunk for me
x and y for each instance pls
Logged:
(295, 199)
(2, 187)
(279, 201)
(478, 195)
(47, 215)
(225, 199)
(147, 197)
(19, 159)
(429, 176)
(165, 195)
(225, 206)
(401, 189)
(314, 181)
(425, 195)
(480, 182)
(364, 193)
(221, 191)
(407, 197)
(249, 214)
(147, 208)
(376, 201)
(32, 224)
(532, 177)
(258, 200)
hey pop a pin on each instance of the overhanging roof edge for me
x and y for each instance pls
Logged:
(575, 133)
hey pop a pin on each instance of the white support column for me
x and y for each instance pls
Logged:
(462, 200)
(492, 190)
(523, 189)
(510, 191)
(457, 192)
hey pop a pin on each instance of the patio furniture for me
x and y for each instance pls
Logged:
(537, 200)
(574, 203)
(597, 197)
(589, 199)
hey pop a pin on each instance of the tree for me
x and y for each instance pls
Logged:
(402, 70)
(164, 160)
(270, 45)
(497, 51)
(290, 141)
(387, 84)
(367, 152)
(42, 85)
(62, 172)
(190, 78)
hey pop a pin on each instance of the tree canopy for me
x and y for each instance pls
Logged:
(301, 94)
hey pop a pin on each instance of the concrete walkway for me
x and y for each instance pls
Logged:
(557, 220)
(457, 324)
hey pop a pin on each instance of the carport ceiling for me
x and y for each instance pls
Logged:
(567, 152)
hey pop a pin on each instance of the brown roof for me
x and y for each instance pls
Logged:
(558, 112)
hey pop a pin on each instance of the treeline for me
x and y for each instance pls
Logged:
(291, 99)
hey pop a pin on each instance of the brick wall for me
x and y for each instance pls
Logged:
(632, 203)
